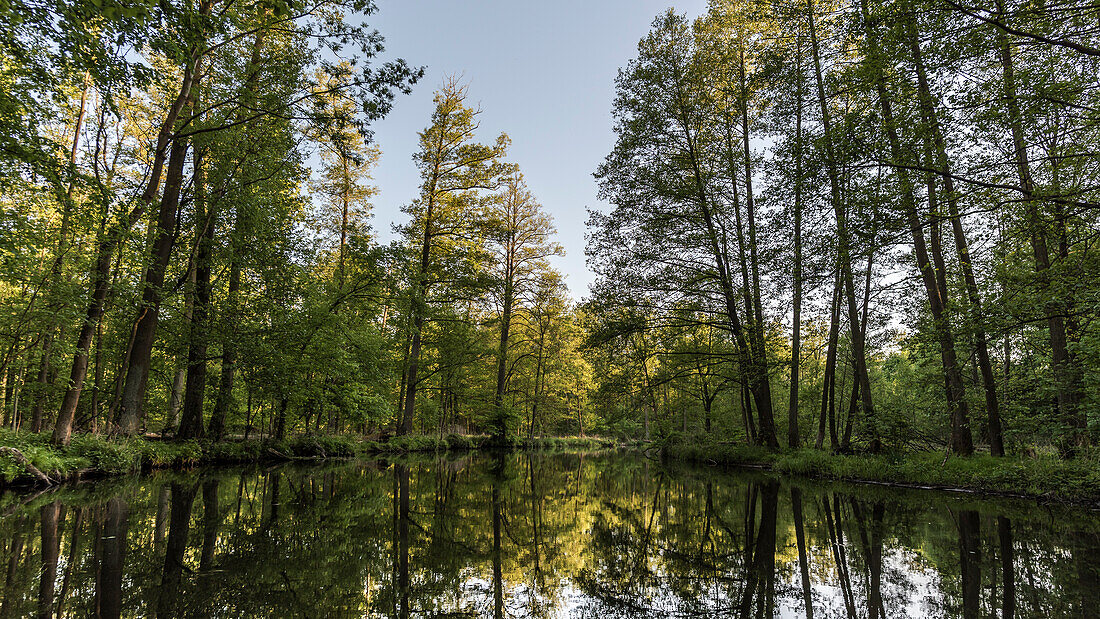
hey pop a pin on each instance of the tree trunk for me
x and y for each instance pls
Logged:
(175, 401)
(977, 316)
(793, 438)
(760, 361)
(280, 419)
(849, 421)
(746, 414)
(145, 326)
(843, 234)
(537, 393)
(191, 422)
(961, 438)
(828, 386)
(101, 271)
(499, 427)
(418, 309)
(1066, 375)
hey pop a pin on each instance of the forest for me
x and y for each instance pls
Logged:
(861, 226)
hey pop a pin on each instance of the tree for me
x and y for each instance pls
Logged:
(523, 246)
(457, 173)
(197, 42)
(346, 161)
(670, 220)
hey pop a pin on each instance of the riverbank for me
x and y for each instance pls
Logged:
(29, 458)
(1044, 477)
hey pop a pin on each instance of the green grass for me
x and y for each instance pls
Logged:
(410, 443)
(564, 443)
(1046, 476)
(93, 454)
(97, 455)
(459, 442)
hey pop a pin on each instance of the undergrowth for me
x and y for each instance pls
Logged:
(97, 455)
(1044, 476)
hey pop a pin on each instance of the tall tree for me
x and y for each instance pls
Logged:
(668, 211)
(523, 246)
(843, 233)
(456, 173)
(793, 438)
(933, 133)
(1066, 374)
(961, 437)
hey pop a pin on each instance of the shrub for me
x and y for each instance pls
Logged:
(322, 447)
(235, 451)
(112, 457)
(411, 442)
(158, 454)
(458, 442)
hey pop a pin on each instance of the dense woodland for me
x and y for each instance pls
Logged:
(861, 225)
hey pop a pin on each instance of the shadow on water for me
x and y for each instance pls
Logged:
(528, 535)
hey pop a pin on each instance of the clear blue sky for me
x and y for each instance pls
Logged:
(543, 72)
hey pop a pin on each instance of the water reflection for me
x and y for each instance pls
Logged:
(534, 536)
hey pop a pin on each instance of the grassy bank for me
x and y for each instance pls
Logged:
(458, 442)
(1046, 477)
(92, 456)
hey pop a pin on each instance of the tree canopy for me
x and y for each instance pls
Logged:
(862, 226)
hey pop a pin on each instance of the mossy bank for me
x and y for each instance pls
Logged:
(1046, 477)
(26, 457)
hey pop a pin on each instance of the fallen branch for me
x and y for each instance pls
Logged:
(31, 469)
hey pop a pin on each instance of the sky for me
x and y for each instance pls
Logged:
(542, 71)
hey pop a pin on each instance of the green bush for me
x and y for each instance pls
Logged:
(107, 456)
(411, 442)
(234, 451)
(458, 442)
(563, 443)
(160, 454)
(322, 447)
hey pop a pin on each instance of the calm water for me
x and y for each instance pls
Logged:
(571, 535)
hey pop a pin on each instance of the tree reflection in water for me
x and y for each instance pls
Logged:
(521, 535)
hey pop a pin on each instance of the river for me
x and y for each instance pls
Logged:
(535, 535)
